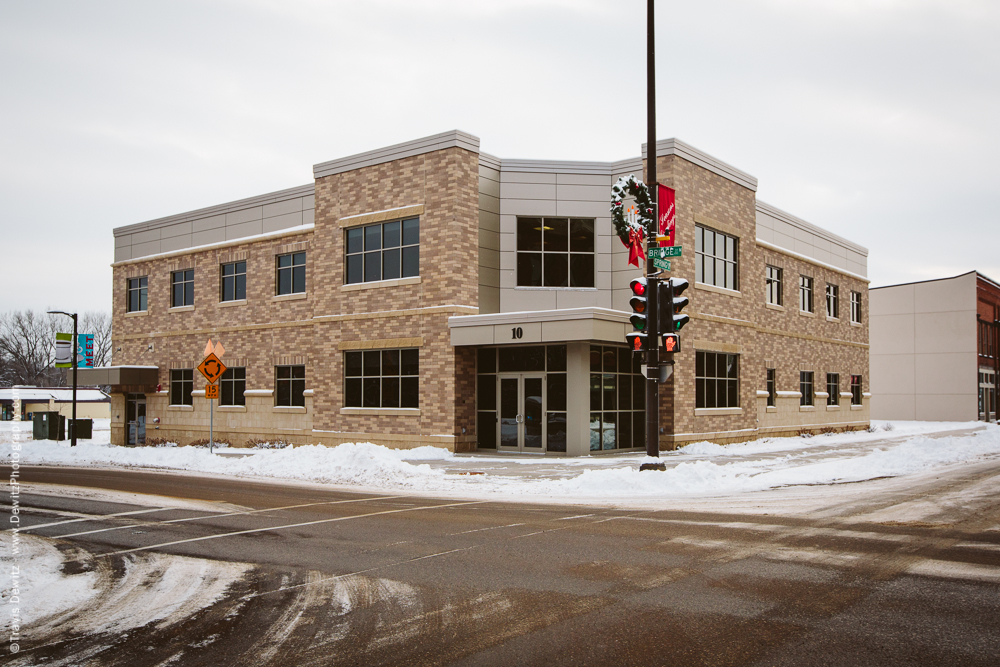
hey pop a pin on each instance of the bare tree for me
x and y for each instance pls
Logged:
(98, 323)
(28, 350)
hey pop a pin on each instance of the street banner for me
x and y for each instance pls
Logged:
(64, 350)
(667, 213)
(85, 350)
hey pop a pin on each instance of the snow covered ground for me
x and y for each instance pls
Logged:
(699, 470)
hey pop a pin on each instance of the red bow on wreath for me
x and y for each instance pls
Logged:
(635, 246)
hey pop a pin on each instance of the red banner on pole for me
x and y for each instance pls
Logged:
(667, 213)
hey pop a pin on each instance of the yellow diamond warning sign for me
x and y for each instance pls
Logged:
(212, 368)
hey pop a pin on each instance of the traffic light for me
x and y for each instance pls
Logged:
(677, 319)
(637, 340)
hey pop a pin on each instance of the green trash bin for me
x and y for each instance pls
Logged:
(48, 426)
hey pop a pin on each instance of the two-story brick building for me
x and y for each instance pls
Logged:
(429, 293)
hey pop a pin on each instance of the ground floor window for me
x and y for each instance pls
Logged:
(617, 399)
(987, 394)
(232, 385)
(289, 386)
(717, 380)
(833, 388)
(771, 392)
(806, 387)
(181, 385)
(382, 378)
(855, 390)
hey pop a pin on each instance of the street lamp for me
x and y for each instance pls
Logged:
(74, 360)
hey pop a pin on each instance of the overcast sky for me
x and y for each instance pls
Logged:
(875, 119)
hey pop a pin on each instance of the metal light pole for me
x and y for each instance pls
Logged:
(653, 355)
(74, 361)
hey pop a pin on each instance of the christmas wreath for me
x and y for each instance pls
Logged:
(631, 224)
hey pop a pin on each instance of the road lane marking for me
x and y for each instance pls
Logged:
(550, 530)
(292, 525)
(219, 516)
(93, 517)
(479, 530)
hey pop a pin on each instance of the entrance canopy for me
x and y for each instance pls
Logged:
(121, 378)
(540, 326)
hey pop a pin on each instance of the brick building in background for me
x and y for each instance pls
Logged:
(429, 293)
(934, 349)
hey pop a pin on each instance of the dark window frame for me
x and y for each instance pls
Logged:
(136, 294)
(289, 385)
(544, 262)
(774, 284)
(182, 288)
(855, 307)
(806, 301)
(707, 256)
(236, 278)
(181, 386)
(771, 384)
(856, 390)
(393, 250)
(232, 386)
(833, 301)
(290, 273)
(806, 388)
(713, 390)
(383, 378)
(833, 388)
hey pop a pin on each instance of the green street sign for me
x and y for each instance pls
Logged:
(663, 253)
(661, 263)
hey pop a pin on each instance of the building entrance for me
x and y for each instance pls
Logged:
(521, 406)
(135, 418)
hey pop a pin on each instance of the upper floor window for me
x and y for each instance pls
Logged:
(716, 262)
(832, 301)
(232, 385)
(181, 385)
(290, 273)
(771, 393)
(856, 307)
(382, 378)
(383, 251)
(833, 388)
(855, 390)
(289, 386)
(135, 301)
(805, 294)
(555, 252)
(233, 282)
(182, 288)
(806, 387)
(773, 276)
(717, 380)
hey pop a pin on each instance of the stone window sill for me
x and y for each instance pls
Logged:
(856, 324)
(290, 297)
(718, 290)
(806, 313)
(293, 409)
(807, 408)
(180, 408)
(714, 412)
(137, 313)
(832, 319)
(771, 408)
(236, 302)
(857, 407)
(376, 284)
(382, 412)
(831, 408)
(232, 408)
(774, 306)
(180, 309)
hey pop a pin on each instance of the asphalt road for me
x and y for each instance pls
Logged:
(325, 577)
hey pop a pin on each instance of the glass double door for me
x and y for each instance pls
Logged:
(135, 418)
(521, 425)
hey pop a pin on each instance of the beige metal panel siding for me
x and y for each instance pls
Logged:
(603, 180)
(177, 229)
(489, 187)
(533, 207)
(211, 222)
(525, 177)
(123, 253)
(244, 215)
(143, 249)
(283, 207)
(285, 221)
(176, 243)
(123, 241)
(594, 193)
(146, 236)
(216, 235)
(529, 191)
(242, 230)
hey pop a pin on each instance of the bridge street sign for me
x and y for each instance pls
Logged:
(663, 253)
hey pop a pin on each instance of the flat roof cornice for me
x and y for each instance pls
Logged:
(677, 147)
(794, 221)
(437, 142)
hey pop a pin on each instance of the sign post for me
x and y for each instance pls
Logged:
(212, 368)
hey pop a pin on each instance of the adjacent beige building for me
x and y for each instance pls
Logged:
(429, 293)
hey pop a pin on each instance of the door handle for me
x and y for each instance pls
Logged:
(519, 419)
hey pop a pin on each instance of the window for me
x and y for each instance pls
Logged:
(289, 385)
(617, 399)
(555, 252)
(773, 274)
(771, 393)
(136, 299)
(806, 387)
(181, 384)
(717, 380)
(233, 285)
(384, 251)
(833, 388)
(855, 307)
(290, 273)
(382, 379)
(232, 385)
(832, 301)
(805, 294)
(182, 288)
(855, 390)
(715, 258)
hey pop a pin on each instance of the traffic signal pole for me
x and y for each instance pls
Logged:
(653, 353)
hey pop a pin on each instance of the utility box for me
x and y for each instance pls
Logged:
(48, 426)
(84, 428)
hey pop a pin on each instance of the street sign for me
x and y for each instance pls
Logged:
(212, 368)
(663, 253)
(211, 391)
(663, 264)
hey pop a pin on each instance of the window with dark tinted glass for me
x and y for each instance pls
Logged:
(289, 386)
(555, 252)
(806, 387)
(855, 390)
(382, 378)
(182, 288)
(833, 388)
(135, 301)
(383, 251)
(290, 277)
(232, 384)
(617, 399)
(233, 281)
(717, 380)
(181, 385)
(716, 258)
(771, 386)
